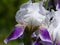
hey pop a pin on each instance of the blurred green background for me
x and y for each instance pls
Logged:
(8, 9)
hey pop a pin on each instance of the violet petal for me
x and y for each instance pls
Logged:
(58, 6)
(58, 43)
(40, 42)
(17, 32)
(46, 43)
(44, 35)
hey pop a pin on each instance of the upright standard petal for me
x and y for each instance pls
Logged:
(17, 32)
(30, 14)
(44, 35)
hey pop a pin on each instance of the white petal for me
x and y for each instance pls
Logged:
(30, 14)
(57, 16)
(56, 33)
(52, 25)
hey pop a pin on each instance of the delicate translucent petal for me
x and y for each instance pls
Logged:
(30, 14)
(44, 35)
(17, 32)
(56, 33)
(49, 18)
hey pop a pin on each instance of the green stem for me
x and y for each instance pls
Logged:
(46, 4)
(27, 37)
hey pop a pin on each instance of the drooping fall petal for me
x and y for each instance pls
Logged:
(44, 35)
(17, 32)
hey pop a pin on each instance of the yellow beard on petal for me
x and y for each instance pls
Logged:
(43, 25)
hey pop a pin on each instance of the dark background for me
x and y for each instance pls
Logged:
(8, 9)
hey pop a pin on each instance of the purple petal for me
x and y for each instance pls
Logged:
(44, 35)
(58, 6)
(58, 43)
(40, 42)
(17, 32)
(46, 43)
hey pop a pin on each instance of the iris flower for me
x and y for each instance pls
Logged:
(35, 22)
